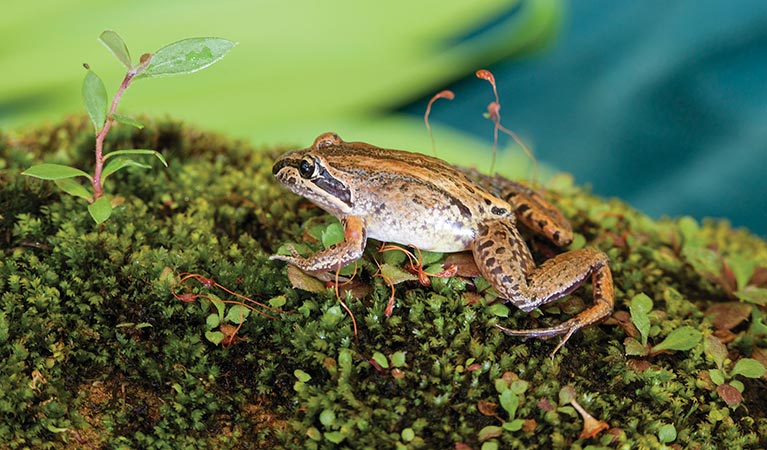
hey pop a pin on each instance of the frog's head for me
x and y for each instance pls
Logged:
(307, 173)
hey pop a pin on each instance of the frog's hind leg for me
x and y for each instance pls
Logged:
(503, 258)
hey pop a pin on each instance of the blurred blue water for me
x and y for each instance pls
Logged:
(663, 104)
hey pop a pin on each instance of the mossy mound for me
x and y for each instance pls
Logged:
(96, 351)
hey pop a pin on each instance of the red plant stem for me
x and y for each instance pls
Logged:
(97, 183)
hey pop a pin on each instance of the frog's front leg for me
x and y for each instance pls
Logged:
(505, 261)
(337, 255)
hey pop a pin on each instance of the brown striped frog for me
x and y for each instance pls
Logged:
(424, 202)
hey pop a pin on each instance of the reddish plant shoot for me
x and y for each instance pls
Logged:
(494, 114)
(447, 94)
(415, 266)
(188, 297)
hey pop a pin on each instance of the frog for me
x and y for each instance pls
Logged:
(424, 202)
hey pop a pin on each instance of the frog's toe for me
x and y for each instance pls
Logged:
(566, 329)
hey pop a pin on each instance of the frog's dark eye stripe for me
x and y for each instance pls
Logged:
(325, 181)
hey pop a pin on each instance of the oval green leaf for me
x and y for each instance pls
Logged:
(72, 187)
(499, 310)
(95, 99)
(639, 308)
(667, 433)
(116, 45)
(186, 56)
(119, 163)
(749, 368)
(125, 120)
(101, 209)
(489, 432)
(509, 402)
(134, 151)
(683, 338)
(380, 358)
(48, 171)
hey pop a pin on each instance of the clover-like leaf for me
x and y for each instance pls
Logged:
(101, 209)
(49, 171)
(116, 45)
(186, 56)
(215, 337)
(95, 99)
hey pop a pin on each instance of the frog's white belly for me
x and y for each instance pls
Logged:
(440, 236)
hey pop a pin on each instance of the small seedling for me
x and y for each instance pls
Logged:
(224, 323)
(511, 392)
(727, 387)
(182, 57)
(642, 316)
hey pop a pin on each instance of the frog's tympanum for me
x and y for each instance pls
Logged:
(424, 202)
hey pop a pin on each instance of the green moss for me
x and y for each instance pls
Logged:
(95, 348)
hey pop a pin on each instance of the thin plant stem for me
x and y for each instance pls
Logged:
(102, 134)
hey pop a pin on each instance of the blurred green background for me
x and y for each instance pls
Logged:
(301, 67)
(660, 105)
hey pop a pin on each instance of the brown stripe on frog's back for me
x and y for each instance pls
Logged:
(362, 159)
(402, 168)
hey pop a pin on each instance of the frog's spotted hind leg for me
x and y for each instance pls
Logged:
(505, 261)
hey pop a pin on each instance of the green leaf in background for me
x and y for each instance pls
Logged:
(95, 99)
(186, 56)
(137, 152)
(48, 171)
(749, 368)
(683, 338)
(119, 163)
(125, 120)
(116, 45)
(101, 209)
(73, 187)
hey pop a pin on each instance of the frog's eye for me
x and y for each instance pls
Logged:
(306, 167)
(327, 140)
